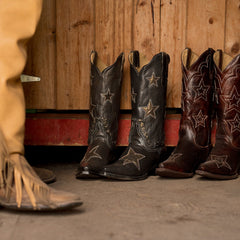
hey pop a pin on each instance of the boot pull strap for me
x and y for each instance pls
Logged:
(136, 60)
(189, 53)
(220, 59)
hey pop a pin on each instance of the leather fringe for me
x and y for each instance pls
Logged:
(17, 173)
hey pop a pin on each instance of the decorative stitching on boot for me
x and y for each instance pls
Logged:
(201, 91)
(231, 101)
(107, 96)
(221, 161)
(200, 119)
(234, 123)
(91, 154)
(133, 96)
(174, 157)
(91, 110)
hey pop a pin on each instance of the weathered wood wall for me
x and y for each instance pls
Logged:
(69, 30)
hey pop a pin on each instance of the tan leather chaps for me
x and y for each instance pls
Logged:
(18, 20)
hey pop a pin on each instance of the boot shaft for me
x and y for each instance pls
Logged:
(148, 88)
(197, 95)
(105, 94)
(227, 84)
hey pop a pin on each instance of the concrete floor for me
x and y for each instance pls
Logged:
(156, 208)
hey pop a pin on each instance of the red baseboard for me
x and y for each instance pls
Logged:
(72, 129)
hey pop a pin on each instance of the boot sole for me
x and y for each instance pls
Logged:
(87, 175)
(164, 172)
(124, 177)
(49, 180)
(215, 176)
(41, 207)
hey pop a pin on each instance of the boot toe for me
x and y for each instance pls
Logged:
(171, 169)
(63, 200)
(211, 169)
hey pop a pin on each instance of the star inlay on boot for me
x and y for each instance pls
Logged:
(194, 142)
(104, 111)
(224, 160)
(146, 139)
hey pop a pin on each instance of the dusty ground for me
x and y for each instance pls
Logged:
(156, 208)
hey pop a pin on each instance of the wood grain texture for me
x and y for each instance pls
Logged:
(104, 30)
(75, 40)
(173, 41)
(123, 42)
(205, 25)
(146, 27)
(232, 33)
(42, 61)
(69, 30)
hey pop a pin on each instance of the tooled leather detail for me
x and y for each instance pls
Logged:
(100, 127)
(133, 96)
(107, 96)
(220, 161)
(148, 100)
(105, 101)
(234, 123)
(197, 91)
(201, 91)
(229, 99)
(91, 154)
(200, 119)
(175, 157)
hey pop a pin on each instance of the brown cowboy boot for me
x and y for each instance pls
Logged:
(195, 127)
(224, 159)
(104, 111)
(146, 139)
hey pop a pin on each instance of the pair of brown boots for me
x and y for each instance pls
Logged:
(211, 93)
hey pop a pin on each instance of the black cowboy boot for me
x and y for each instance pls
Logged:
(104, 111)
(195, 127)
(146, 140)
(224, 159)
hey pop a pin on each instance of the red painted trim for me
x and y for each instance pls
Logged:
(70, 130)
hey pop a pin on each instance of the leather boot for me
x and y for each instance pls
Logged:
(224, 159)
(20, 187)
(195, 127)
(146, 139)
(104, 111)
(45, 175)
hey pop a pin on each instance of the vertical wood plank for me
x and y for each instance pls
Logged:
(232, 33)
(146, 27)
(123, 42)
(75, 40)
(42, 61)
(104, 30)
(205, 25)
(173, 41)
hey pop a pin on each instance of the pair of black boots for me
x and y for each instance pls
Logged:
(146, 138)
